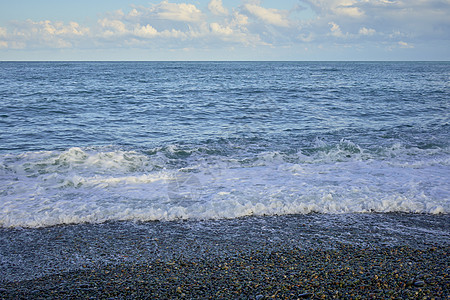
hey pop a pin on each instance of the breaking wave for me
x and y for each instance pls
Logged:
(101, 184)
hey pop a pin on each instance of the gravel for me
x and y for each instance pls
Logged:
(314, 256)
(345, 272)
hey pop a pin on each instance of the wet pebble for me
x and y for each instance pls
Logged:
(305, 295)
(419, 283)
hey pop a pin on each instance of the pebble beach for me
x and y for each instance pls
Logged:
(344, 273)
(238, 259)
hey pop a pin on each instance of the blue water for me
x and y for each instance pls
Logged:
(100, 141)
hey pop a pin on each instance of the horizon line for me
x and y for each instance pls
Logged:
(1, 61)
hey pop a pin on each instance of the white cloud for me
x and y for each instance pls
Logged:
(405, 45)
(239, 19)
(346, 8)
(165, 20)
(112, 27)
(378, 21)
(216, 7)
(146, 31)
(221, 30)
(131, 33)
(366, 31)
(268, 15)
(59, 28)
(43, 34)
(307, 38)
(3, 32)
(177, 12)
(349, 10)
(3, 35)
(134, 13)
(335, 30)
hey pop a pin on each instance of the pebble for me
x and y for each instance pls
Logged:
(419, 283)
(305, 295)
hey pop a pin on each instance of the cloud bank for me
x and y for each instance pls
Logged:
(358, 24)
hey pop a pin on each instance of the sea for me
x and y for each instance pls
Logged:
(180, 151)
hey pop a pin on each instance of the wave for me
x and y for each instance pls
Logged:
(222, 180)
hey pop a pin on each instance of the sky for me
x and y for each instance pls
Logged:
(299, 30)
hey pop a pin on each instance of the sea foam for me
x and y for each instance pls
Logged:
(95, 185)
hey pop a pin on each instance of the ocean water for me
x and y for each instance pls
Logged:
(91, 142)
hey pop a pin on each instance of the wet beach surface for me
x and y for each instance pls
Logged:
(292, 256)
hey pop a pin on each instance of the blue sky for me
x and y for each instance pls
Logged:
(225, 30)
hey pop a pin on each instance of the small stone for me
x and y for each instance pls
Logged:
(305, 295)
(259, 297)
(419, 283)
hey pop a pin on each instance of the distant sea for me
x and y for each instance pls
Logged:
(90, 142)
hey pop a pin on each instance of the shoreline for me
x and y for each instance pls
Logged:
(292, 256)
(345, 272)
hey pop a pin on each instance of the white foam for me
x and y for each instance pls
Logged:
(88, 185)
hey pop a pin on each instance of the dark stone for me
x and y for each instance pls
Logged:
(419, 283)
(305, 295)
